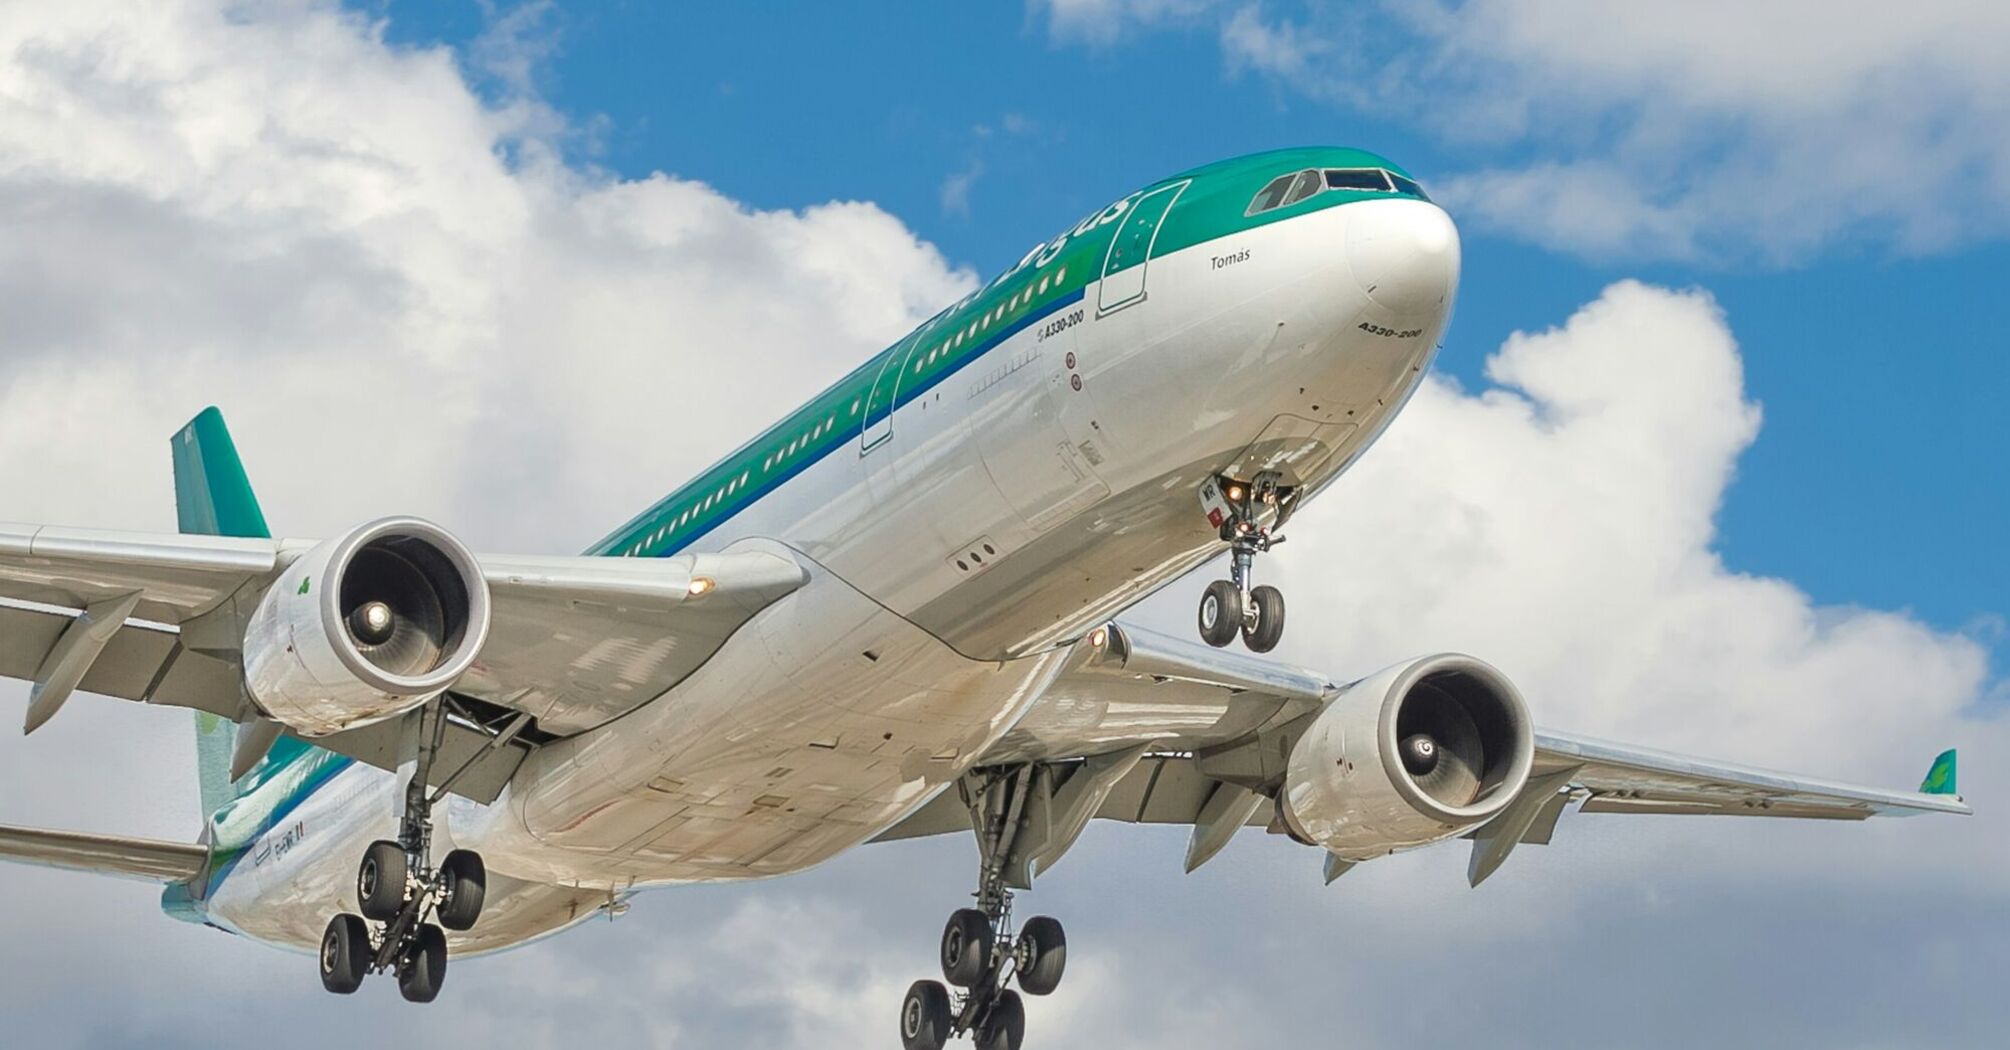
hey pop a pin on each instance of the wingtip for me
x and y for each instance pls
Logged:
(1943, 777)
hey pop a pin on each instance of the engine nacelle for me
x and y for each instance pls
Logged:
(365, 627)
(1411, 755)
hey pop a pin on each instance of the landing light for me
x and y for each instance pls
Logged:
(1097, 637)
(1234, 493)
(701, 585)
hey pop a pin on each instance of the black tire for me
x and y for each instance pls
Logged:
(466, 881)
(424, 968)
(345, 954)
(1004, 1027)
(1262, 637)
(1043, 955)
(1220, 613)
(966, 948)
(380, 881)
(924, 1016)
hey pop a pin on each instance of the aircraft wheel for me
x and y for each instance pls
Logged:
(466, 883)
(966, 947)
(424, 967)
(1262, 635)
(1220, 613)
(345, 954)
(1004, 1028)
(1043, 954)
(380, 881)
(924, 1016)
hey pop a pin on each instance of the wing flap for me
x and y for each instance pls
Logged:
(104, 854)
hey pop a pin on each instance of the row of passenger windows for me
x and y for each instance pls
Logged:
(1299, 185)
(787, 453)
(773, 461)
(1003, 311)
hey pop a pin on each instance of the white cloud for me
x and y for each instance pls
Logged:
(1280, 49)
(278, 211)
(956, 189)
(282, 214)
(1564, 519)
(1708, 129)
(1106, 21)
(1561, 523)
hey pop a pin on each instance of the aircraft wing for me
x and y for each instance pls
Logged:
(1156, 730)
(133, 858)
(158, 618)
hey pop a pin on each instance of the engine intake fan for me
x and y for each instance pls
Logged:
(1413, 754)
(366, 626)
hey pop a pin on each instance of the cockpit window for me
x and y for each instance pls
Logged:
(1272, 195)
(1306, 186)
(1299, 185)
(1358, 179)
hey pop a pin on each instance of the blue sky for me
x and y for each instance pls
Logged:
(1882, 367)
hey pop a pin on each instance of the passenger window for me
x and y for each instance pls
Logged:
(1358, 179)
(1272, 195)
(1308, 184)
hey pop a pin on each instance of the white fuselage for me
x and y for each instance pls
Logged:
(1043, 488)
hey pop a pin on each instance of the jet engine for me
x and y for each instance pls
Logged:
(1413, 754)
(365, 627)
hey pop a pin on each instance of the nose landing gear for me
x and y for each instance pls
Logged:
(1249, 516)
(397, 887)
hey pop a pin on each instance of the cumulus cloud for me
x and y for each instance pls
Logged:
(1769, 129)
(1561, 522)
(408, 301)
(1702, 130)
(388, 284)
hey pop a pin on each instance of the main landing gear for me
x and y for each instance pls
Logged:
(403, 900)
(1248, 515)
(981, 957)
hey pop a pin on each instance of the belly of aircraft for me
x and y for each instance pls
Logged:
(824, 721)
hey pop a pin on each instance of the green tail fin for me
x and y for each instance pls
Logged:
(1940, 779)
(212, 497)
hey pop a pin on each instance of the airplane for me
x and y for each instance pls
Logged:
(894, 613)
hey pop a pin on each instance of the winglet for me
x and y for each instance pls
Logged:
(1940, 779)
(212, 496)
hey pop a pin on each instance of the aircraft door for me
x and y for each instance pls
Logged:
(1123, 282)
(878, 416)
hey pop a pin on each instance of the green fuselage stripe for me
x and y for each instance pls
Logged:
(1214, 204)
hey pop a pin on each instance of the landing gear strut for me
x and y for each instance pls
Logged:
(1249, 516)
(981, 956)
(404, 900)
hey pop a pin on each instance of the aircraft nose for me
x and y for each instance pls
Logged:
(1404, 253)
